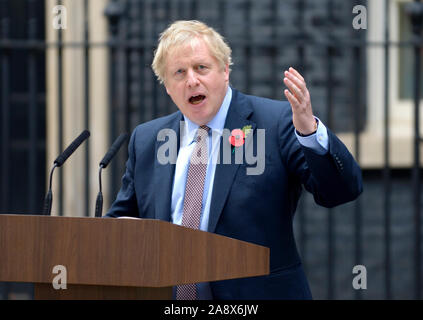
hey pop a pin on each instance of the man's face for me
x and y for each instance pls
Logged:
(196, 82)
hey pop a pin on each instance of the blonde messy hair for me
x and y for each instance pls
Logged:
(188, 32)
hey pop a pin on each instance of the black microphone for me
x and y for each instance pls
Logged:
(113, 149)
(58, 163)
(72, 147)
(103, 164)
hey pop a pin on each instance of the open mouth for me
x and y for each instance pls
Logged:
(196, 99)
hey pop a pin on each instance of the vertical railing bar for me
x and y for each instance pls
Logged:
(158, 8)
(5, 106)
(124, 105)
(358, 88)
(416, 166)
(142, 55)
(113, 12)
(330, 83)
(357, 204)
(222, 20)
(194, 9)
(112, 100)
(170, 15)
(248, 45)
(301, 23)
(277, 75)
(32, 108)
(221, 23)
(135, 59)
(155, 86)
(60, 112)
(301, 59)
(148, 57)
(126, 90)
(122, 87)
(87, 107)
(180, 7)
(116, 83)
(386, 169)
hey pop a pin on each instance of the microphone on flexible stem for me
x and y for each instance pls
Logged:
(103, 164)
(58, 163)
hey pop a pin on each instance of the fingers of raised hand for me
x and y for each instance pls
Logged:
(293, 89)
(295, 84)
(296, 73)
(291, 98)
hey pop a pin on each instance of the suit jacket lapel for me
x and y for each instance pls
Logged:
(237, 118)
(164, 174)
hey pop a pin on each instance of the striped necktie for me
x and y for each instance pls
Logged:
(193, 198)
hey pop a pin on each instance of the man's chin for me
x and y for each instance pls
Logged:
(199, 120)
(198, 116)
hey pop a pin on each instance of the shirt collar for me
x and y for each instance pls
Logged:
(215, 124)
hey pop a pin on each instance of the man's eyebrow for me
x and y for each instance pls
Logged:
(175, 68)
(202, 63)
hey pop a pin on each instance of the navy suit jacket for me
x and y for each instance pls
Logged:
(253, 208)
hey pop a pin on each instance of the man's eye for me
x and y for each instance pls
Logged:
(201, 67)
(179, 71)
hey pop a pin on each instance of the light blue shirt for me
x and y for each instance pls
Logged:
(318, 142)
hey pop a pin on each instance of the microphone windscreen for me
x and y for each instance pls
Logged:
(113, 149)
(72, 147)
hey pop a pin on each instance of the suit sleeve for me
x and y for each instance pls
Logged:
(333, 178)
(126, 202)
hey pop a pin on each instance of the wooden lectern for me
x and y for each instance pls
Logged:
(119, 258)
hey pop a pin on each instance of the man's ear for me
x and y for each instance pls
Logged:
(226, 71)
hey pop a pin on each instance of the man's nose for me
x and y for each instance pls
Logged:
(192, 79)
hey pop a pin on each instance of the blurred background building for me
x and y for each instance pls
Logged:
(95, 74)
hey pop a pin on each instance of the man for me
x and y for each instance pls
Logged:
(192, 61)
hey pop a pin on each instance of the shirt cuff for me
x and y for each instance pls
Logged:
(318, 142)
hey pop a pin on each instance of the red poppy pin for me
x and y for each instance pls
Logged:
(237, 137)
